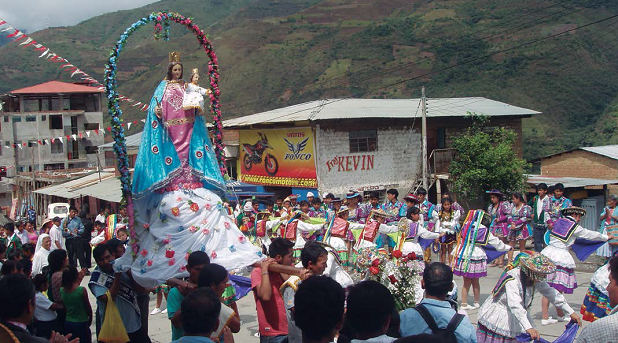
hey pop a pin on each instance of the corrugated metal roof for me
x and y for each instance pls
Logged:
(569, 182)
(610, 151)
(131, 141)
(70, 189)
(108, 190)
(55, 87)
(380, 108)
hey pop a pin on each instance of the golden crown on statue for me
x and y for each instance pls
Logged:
(174, 56)
(194, 71)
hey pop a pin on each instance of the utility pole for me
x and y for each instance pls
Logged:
(32, 199)
(424, 136)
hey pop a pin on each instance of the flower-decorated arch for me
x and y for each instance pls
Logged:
(162, 28)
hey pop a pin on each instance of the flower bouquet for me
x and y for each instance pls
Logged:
(401, 275)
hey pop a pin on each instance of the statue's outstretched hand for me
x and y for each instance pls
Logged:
(158, 112)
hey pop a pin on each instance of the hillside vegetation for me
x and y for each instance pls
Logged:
(278, 53)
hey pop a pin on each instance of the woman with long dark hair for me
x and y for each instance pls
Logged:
(58, 260)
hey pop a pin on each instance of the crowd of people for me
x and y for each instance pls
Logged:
(314, 285)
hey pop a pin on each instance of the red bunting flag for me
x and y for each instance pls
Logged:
(109, 128)
(81, 135)
(97, 131)
(40, 143)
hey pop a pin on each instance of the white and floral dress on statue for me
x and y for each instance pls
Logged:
(194, 97)
(176, 208)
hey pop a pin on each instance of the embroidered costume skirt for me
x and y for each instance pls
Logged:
(470, 268)
(484, 335)
(521, 234)
(596, 302)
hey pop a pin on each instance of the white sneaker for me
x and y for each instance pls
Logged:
(549, 321)
(155, 311)
(164, 311)
(565, 319)
(476, 305)
(466, 307)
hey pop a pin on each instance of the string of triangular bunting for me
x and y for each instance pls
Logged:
(74, 137)
(65, 65)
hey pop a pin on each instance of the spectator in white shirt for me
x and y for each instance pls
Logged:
(22, 233)
(45, 311)
(101, 216)
(56, 235)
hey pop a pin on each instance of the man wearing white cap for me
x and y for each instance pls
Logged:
(310, 197)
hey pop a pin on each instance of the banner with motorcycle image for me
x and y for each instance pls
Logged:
(278, 157)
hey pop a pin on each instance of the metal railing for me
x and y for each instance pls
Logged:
(440, 160)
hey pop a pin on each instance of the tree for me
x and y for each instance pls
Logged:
(485, 159)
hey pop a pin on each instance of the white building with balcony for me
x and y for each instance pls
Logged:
(50, 126)
(36, 121)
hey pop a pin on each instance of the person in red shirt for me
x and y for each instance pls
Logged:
(271, 313)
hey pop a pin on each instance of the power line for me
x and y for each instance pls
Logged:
(494, 53)
(361, 70)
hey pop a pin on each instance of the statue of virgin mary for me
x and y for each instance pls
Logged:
(175, 182)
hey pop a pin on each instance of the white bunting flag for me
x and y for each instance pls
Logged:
(74, 137)
(88, 134)
(129, 126)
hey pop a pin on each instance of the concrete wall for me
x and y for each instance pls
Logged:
(395, 164)
(580, 163)
(24, 131)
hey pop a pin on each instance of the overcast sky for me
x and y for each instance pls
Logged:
(34, 15)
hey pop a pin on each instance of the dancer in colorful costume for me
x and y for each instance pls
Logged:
(470, 260)
(562, 235)
(499, 211)
(609, 219)
(337, 231)
(427, 210)
(519, 224)
(596, 303)
(505, 314)
(558, 202)
(374, 226)
(411, 231)
(175, 177)
(447, 222)
(298, 229)
(264, 228)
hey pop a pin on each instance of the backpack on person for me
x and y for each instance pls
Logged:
(448, 333)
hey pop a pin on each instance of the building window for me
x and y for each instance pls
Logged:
(6, 119)
(91, 126)
(16, 119)
(55, 122)
(362, 141)
(56, 147)
(43, 118)
(441, 138)
(30, 118)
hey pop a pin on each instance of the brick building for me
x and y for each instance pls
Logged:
(599, 162)
(375, 144)
(589, 175)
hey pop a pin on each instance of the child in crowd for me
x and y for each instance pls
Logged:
(77, 305)
(447, 221)
(313, 258)
(319, 317)
(216, 277)
(45, 311)
(122, 235)
(519, 224)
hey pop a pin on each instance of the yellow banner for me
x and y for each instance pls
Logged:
(278, 157)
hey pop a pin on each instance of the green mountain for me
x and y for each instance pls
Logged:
(274, 53)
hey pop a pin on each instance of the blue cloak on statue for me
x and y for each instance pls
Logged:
(157, 161)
